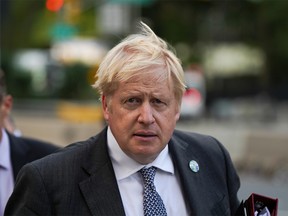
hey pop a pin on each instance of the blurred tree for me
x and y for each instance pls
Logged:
(273, 34)
(76, 85)
(28, 24)
(260, 23)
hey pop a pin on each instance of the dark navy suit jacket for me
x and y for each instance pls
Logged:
(80, 180)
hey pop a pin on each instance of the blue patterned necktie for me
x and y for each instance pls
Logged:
(152, 202)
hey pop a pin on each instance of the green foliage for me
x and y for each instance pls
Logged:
(23, 81)
(76, 84)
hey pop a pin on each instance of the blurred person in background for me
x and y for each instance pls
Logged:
(14, 151)
(141, 86)
(10, 126)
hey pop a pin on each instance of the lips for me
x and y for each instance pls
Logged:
(145, 134)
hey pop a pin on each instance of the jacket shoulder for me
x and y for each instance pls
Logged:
(69, 152)
(196, 140)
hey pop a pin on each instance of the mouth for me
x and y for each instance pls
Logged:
(145, 134)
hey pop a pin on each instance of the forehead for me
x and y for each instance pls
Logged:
(153, 78)
(148, 76)
(145, 86)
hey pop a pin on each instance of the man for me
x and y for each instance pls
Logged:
(141, 85)
(14, 151)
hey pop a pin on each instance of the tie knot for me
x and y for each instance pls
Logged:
(148, 174)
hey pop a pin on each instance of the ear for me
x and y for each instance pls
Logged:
(105, 107)
(177, 116)
(7, 105)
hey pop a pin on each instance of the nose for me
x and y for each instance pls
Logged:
(146, 114)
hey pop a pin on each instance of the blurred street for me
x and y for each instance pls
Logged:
(258, 147)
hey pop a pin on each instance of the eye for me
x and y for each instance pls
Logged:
(133, 101)
(158, 102)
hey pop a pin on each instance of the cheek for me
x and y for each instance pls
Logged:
(172, 114)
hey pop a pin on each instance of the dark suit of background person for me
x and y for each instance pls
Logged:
(21, 150)
(141, 104)
(25, 150)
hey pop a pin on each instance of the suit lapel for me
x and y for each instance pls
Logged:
(189, 179)
(193, 182)
(100, 189)
(101, 194)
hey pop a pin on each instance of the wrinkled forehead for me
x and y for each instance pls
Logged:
(151, 72)
(149, 82)
(150, 79)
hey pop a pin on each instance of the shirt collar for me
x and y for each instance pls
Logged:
(125, 166)
(5, 151)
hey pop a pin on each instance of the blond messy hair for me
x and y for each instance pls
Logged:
(135, 55)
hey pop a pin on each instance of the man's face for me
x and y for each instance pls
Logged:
(142, 114)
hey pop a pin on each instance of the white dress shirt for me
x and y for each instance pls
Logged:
(6, 172)
(130, 182)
